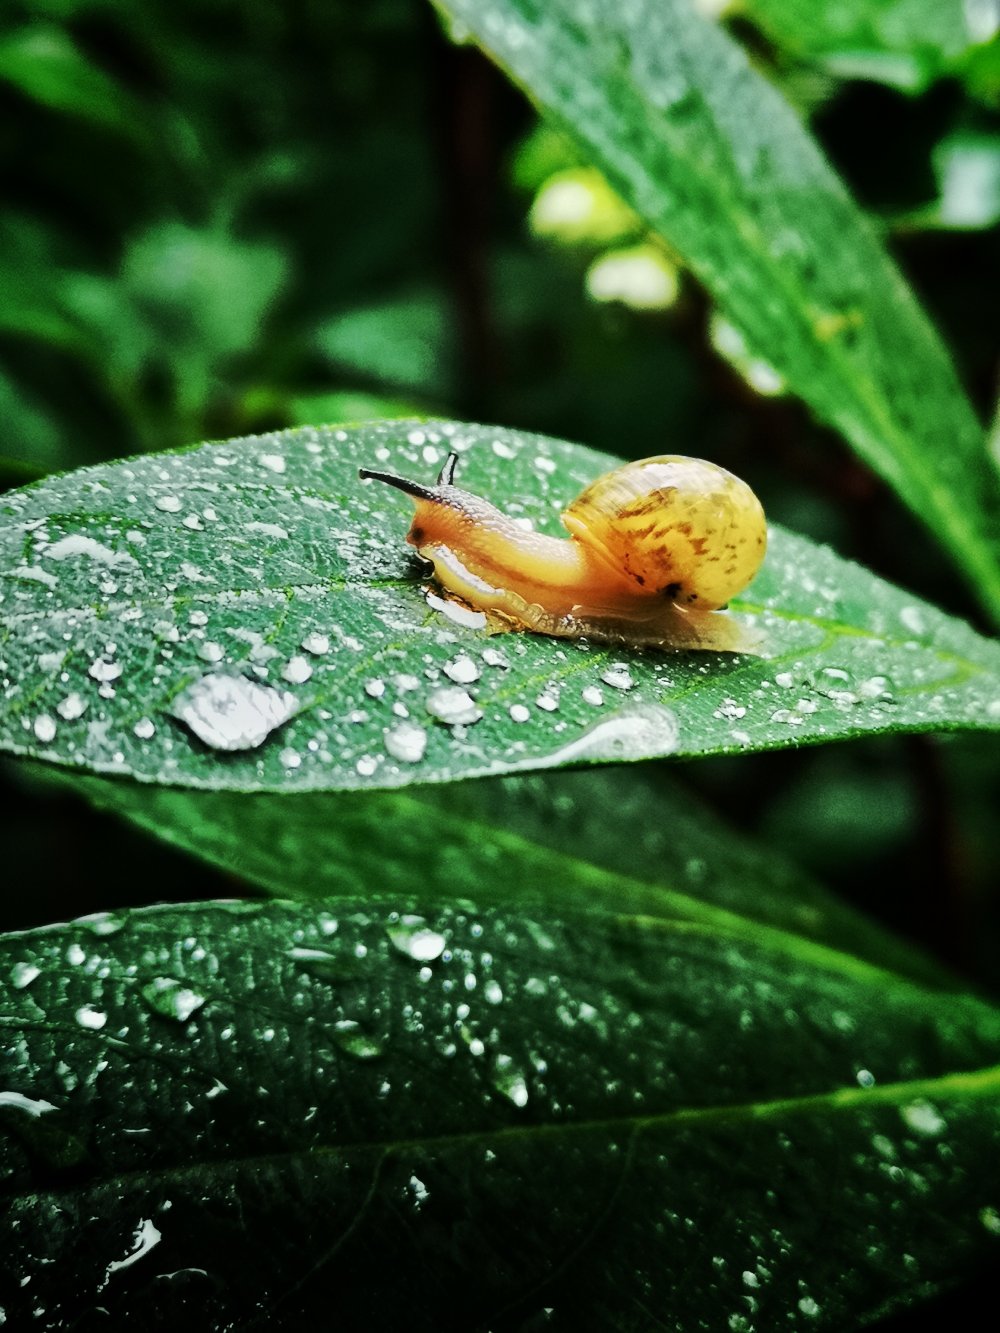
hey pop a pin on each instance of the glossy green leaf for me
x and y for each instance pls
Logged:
(386, 1115)
(258, 589)
(606, 839)
(705, 150)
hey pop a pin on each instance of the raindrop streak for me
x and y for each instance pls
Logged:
(172, 999)
(640, 733)
(412, 936)
(231, 712)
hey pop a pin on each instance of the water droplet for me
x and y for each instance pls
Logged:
(457, 612)
(518, 713)
(297, 670)
(375, 688)
(990, 1219)
(145, 728)
(406, 742)
(172, 999)
(462, 669)
(273, 462)
(493, 657)
(23, 974)
(640, 733)
(453, 705)
(809, 1307)
(509, 1080)
(72, 707)
(317, 644)
(548, 703)
(198, 618)
(412, 936)
(211, 652)
(923, 1117)
(104, 669)
(352, 1040)
(730, 710)
(592, 695)
(493, 992)
(618, 675)
(866, 1079)
(231, 712)
(912, 618)
(89, 1017)
(44, 728)
(33, 1106)
(366, 765)
(170, 504)
(289, 758)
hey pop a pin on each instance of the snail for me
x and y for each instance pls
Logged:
(656, 550)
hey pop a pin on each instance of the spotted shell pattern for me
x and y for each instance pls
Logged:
(681, 527)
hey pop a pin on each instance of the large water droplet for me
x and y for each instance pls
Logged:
(412, 936)
(171, 998)
(72, 707)
(453, 705)
(406, 742)
(462, 669)
(297, 670)
(33, 1106)
(618, 676)
(640, 733)
(89, 1017)
(232, 712)
(23, 974)
(509, 1080)
(104, 669)
(44, 728)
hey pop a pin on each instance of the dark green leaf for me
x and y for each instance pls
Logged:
(708, 153)
(255, 581)
(295, 1117)
(613, 839)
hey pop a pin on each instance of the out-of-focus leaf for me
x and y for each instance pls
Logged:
(703, 148)
(383, 1114)
(906, 43)
(43, 63)
(259, 591)
(406, 342)
(612, 840)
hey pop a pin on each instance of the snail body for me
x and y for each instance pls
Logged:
(656, 548)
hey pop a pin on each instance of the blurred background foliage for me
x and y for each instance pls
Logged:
(224, 217)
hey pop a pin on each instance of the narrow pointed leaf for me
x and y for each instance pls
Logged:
(292, 1117)
(704, 149)
(248, 616)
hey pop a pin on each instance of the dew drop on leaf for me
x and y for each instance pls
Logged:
(453, 705)
(412, 936)
(171, 998)
(406, 742)
(354, 1041)
(232, 712)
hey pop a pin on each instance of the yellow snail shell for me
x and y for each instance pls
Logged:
(656, 549)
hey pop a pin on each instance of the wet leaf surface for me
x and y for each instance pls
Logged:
(247, 615)
(376, 1114)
